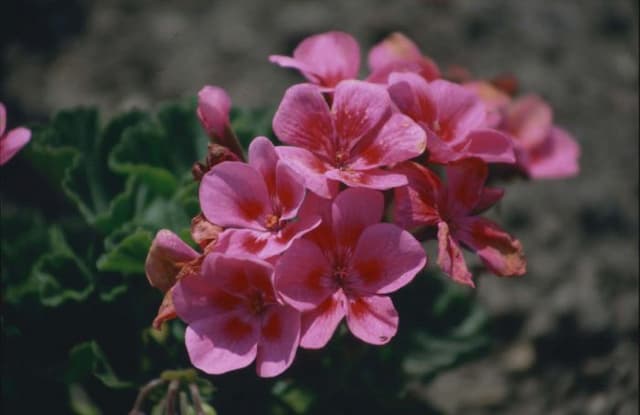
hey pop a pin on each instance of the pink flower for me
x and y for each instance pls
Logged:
(453, 210)
(324, 59)
(397, 53)
(256, 203)
(234, 317)
(346, 267)
(543, 150)
(214, 106)
(454, 119)
(348, 142)
(12, 141)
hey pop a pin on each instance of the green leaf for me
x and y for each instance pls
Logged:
(128, 255)
(60, 274)
(87, 359)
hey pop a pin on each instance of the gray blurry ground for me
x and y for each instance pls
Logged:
(567, 333)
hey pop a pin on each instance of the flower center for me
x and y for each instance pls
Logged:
(257, 303)
(272, 222)
(341, 159)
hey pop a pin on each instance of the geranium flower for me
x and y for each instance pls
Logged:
(256, 203)
(346, 267)
(234, 317)
(453, 117)
(397, 53)
(453, 209)
(349, 142)
(324, 59)
(543, 150)
(12, 141)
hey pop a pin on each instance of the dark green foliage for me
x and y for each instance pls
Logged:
(79, 211)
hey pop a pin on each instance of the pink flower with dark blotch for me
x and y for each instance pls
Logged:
(324, 59)
(169, 259)
(349, 142)
(13, 140)
(256, 203)
(454, 118)
(214, 106)
(453, 210)
(234, 317)
(397, 53)
(346, 267)
(543, 150)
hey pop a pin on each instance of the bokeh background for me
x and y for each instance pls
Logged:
(566, 335)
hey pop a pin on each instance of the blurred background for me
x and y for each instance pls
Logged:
(566, 335)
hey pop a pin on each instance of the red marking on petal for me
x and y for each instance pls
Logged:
(251, 209)
(370, 270)
(272, 327)
(236, 329)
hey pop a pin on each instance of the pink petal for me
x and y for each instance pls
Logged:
(238, 276)
(13, 142)
(196, 298)
(222, 343)
(234, 194)
(376, 179)
(303, 276)
(326, 58)
(354, 210)
(501, 253)
(489, 145)
(264, 244)
(319, 324)
(214, 105)
(440, 151)
(167, 255)
(386, 258)
(529, 119)
(289, 191)
(358, 108)
(303, 120)
(555, 158)
(489, 197)
(397, 51)
(494, 100)
(417, 203)
(309, 168)
(289, 62)
(279, 340)
(373, 320)
(459, 110)
(166, 311)
(450, 258)
(398, 140)
(465, 184)
(412, 96)
(263, 158)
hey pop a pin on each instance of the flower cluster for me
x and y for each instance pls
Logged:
(301, 236)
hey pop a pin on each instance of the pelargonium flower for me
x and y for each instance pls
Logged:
(12, 141)
(256, 203)
(346, 267)
(454, 118)
(234, 317)
(453, 209)
(214, 106)
(349, 142)
(397, 53)
(324, 59)
(543, 150)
